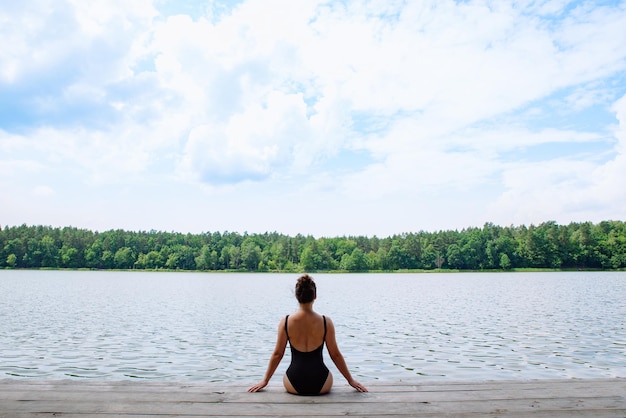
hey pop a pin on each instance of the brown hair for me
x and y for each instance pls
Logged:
(305, 289)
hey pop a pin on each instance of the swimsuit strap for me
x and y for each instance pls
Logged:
(286, 318)
(324, 329)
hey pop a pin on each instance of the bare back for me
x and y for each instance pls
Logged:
(306, 330)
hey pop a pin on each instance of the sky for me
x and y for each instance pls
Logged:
(323, 118)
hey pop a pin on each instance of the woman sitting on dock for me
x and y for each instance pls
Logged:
(307, 331)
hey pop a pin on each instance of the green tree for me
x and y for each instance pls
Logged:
(150, 261)
(153, 260)
(358, 260)
(505, 245)
(124, 258)
(93, 255)
(454, 257)
(15, 246)
(70, 257)
(505, 262)
(382, 260)
(250, 254)
(203, 261)
(48, 251)
(309, 259)
(107, 260)
(181, 257)
(413, 250)
(11, 260)
(276, 256)
(473, 248)
(173, 261)
(372, 260)
(584, 245)
(141, 261)
(234, 254)
(396, 256)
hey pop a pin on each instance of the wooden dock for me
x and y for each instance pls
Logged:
(537, 398)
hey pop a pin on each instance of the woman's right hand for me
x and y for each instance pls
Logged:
(359, 387)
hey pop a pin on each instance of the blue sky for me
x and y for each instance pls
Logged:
(313, 117)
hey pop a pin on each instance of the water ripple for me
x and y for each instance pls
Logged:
(222, 328)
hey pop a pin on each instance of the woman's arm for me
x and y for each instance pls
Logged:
(337, 357)
(277, 356)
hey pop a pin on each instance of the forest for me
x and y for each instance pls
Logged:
(582, 246)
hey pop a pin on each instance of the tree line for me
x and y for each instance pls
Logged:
(548, 245)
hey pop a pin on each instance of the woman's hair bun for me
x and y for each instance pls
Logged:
(305, 289)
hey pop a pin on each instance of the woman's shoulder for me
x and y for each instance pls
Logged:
(283, 320)
(298, 316)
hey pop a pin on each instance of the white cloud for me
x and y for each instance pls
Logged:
(251, 144)
(43, 191)
(438, 96)
(571, 190)
(11, 170)
(610, 178)
(71, 37)
(587, 96)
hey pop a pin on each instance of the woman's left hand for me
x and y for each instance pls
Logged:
(259, 386)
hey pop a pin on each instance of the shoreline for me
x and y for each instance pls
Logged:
(330, 272)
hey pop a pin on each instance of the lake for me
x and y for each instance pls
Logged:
(390, 327)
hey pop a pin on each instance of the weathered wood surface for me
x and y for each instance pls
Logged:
(540, 398)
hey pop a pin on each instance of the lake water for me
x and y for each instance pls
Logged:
(390, 327)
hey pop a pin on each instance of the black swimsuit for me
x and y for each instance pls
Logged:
(307, 371)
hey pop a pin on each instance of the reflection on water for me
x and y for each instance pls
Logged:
(390, 327)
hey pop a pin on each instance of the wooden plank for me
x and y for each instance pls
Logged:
(313, 409)
(9, 384)
(376, 395)
(566, 398)
(179, 393)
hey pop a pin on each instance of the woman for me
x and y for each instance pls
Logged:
(307, 331)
